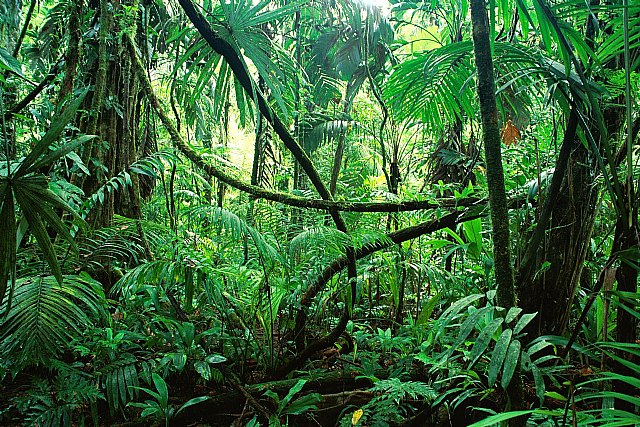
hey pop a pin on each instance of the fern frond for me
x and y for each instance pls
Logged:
(319, 238)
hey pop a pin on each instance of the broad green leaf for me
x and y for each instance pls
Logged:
(122, 383)
(608, 394)
(30, 200)
(465, 329)
(33, 184)
(58, 124)
(454, 309)
(203, 369)
(498, 418)
(428, 308)
(555, 395)
(512, 314)
(473, 232)
(60, 152)
(537, 346)
(483, 340)
(292, 391)
(499, 353)
(163, 392)
(215, 359)
(510, 363)
(9, 62)
(7, 240)
(191, 402)
(539, 382)
(523, 322)
(303, 404)
(42, 237)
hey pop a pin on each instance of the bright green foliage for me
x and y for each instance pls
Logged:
(176, 299)
(389, 406)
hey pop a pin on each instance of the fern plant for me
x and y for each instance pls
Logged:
(61, 401)
(393, 402)
(485, 352)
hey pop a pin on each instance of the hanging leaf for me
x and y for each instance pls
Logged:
(483, 340)
(7, 240)
(510, 134)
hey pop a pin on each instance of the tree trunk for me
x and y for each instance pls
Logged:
(495, 180)
(551, 293)
(116, 113)
(493, 155)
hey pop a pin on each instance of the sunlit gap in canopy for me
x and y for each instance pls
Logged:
(382, 4)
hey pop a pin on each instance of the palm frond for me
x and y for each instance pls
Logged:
(45, 316)
(437, 86)
(324, 132)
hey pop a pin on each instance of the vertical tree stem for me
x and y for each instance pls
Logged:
(495, 180)
(493, 154)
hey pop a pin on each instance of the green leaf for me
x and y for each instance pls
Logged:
(303, 404)
(46, 316)
(192, 402)
(512, 314)
(215, 359)
(465, 329)
(163, 392)
(473, 232)
(555, 395)
(60, 152)
(58, 124)
(483, 340)
(454, 310)
(7, 240)
(524, 321)
(44, 194)
(510, 363)
(498, 418)
(292, 391)
(42, 237)
(30, 200)
(428, 308)
(9, 62)
(203, 369)
(539, 382)
(499, 353)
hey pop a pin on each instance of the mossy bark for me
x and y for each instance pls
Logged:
(503, 267)
(493, 156)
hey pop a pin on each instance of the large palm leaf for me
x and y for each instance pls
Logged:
(45, 316)
(437, 86)
(206, 76)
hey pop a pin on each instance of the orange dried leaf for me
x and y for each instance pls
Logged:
(510, 134)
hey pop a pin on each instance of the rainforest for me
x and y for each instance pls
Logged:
(319, 213)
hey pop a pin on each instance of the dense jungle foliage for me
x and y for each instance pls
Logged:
(319, 212)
